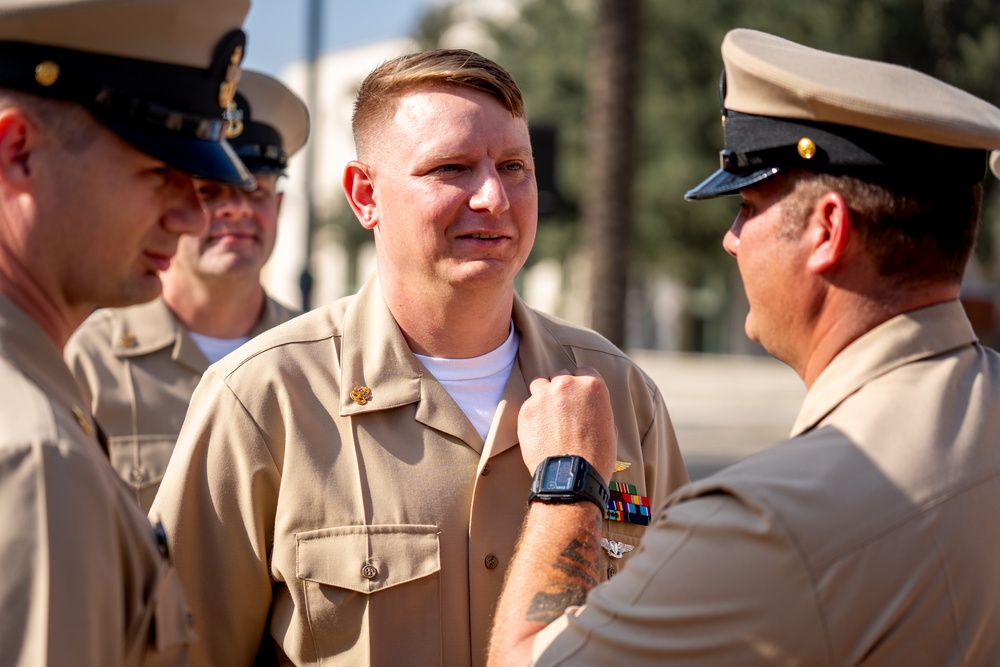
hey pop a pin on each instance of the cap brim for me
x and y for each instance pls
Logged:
(725, 182)
(203, 158)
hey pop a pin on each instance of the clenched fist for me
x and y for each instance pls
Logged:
(569, 414)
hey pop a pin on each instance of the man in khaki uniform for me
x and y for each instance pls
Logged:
(867, 538)
(138, 366)
(106, 109)
(347, 487)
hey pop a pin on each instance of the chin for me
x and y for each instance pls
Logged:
(144, 289)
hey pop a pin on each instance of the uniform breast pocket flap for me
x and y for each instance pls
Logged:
(368, 559)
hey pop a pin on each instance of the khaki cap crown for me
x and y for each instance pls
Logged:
(771, 76)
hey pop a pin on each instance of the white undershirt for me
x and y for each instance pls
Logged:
(216, 348)
(476, 384)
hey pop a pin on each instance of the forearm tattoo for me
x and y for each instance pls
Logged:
(572, 575)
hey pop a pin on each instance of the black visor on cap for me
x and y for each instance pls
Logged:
(172, 112)
(724, 182)
(213, 160)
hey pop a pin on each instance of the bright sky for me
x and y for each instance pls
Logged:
(276, 29)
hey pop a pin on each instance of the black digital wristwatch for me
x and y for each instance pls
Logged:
(568, 479)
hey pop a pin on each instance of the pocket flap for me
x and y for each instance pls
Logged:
(367, 559)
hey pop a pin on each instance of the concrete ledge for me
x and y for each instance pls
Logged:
(724, 407)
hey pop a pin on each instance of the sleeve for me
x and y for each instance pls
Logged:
(716, 583)
(217, 504)
(61, 591)
(661, 455)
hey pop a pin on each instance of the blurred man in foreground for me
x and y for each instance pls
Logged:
(138, 366)
(106, 111)
(347, 488)
(866, 538)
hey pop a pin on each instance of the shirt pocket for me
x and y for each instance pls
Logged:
(141, 461)
(619, 543)
(373, 592)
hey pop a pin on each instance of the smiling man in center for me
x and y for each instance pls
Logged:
(349, 486)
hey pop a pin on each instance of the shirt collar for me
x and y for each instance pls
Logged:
(901, 340)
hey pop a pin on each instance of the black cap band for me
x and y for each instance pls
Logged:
(758, 147)
(258, 144)
(754, 142)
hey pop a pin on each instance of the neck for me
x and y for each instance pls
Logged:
(226, 309)
(43, 303)
(839, 326)
(455, 327)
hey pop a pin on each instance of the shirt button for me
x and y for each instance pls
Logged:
(486, 470)
(612, 572)
(137, 475)
(492, 562)
(369, 571)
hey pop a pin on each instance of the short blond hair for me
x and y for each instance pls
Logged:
(379, 93)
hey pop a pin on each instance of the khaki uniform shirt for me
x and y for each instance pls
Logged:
(869, 538)
(138, 367)
(83, 581)
(357, 531)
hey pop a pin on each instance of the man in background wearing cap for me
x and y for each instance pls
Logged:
(868, 537)
(106, 111)
(138, 366)
(346, 488)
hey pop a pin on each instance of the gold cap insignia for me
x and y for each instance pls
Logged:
(82, 420)
(622, 465)
(227, 89)
(361, 395)
(46, 73)
(807, 148)
(235, 117)
(128, 340)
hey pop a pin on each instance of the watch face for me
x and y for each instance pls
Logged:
(558, 474)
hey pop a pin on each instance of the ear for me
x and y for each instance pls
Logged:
(829, 231)
(359, 186)
(17, 137)
(281, 198)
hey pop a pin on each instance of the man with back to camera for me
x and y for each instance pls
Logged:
(106, 111)
(347, 487)
(865, 538)
(138, 366)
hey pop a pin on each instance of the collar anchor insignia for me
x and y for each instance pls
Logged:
(361, 395)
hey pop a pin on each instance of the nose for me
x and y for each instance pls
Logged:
(187, 214)
(234, 205)
(731, 241)
(490, 195)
